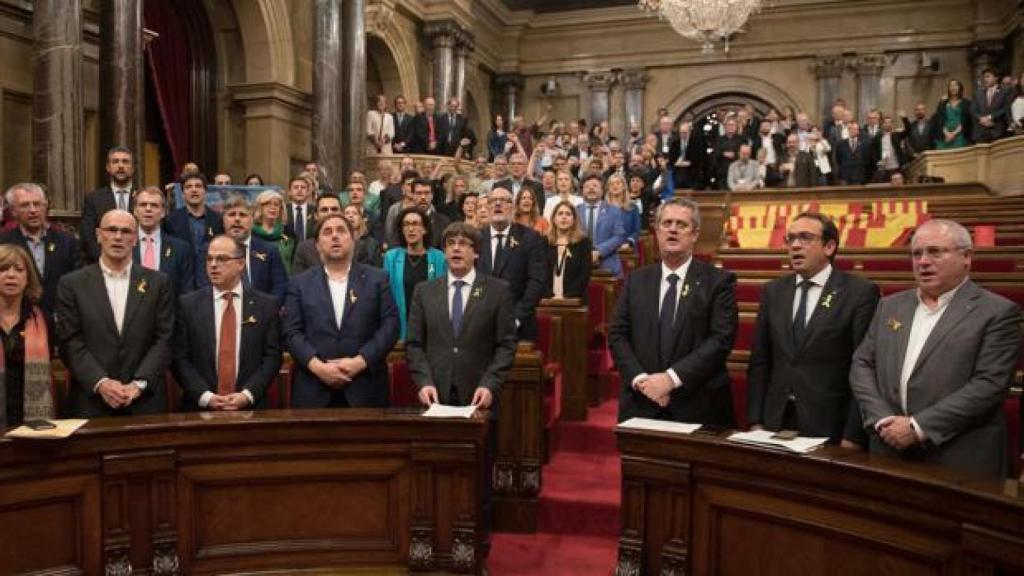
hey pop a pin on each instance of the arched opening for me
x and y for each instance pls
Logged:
(180, 86)
(727, 102)
(470, 111)
(382, 74)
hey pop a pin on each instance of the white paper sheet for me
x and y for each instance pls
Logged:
(443, 411)
(799, 445)
(659, 425)
(64, 429)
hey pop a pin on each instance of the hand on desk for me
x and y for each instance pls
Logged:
(482, 398)
(428, 395)
(117, 394)
(229, 402)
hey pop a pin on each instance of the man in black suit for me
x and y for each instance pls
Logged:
(227, 338)
(727, 150)
(991, 109)
(159, 251)
(54, 252)
(918, 132)
(674, 327)
(118, 194)
(455, 129)
(854, 158)
(887, 156)
(298, 212)
(115, 323)
(516, 254)
(686, 157)
(306, 255)
(519, 179)
(809, 324)
(194, 222)
(423, 196)
(427, 130)
(404, 137)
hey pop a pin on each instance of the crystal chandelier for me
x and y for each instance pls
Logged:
(704, 21)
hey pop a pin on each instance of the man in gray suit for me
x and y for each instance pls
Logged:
(935, 366)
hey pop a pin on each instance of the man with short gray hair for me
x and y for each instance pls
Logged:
(936, 364)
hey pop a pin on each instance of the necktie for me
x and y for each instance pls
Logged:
(430, 129)
(457, 307)
(226, 354)
(300, 224)
(451, 128)
(120, 200)
(853, 145)
(800, 321)
(592, 222)
(498, 251)
(149, 253)
(667, 320)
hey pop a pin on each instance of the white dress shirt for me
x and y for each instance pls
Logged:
(662, 289)
(219, 305)
(813, 293)
(339, 291)
(924, 322)
(117, 285)
(469, 278)
(494, 241)
(768, 143)
(157, 245)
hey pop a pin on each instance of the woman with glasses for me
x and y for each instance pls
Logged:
(269, 226)
(412, 261)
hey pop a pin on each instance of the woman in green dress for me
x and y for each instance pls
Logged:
(269, 226)
(951, 125)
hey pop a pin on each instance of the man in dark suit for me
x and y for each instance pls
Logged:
(115, 323)
(194, 222)
(674, 327)
(937, 361)
(159, 251)
(227, 348)
(264, 270)
(423, 196)
(854, 158)
(54, 252)
(118, 194)
(686, 157)
(306, 255)
(518, 179)
(795, 167)
(404, 137)
(517, 255)
(918, 132)
(991, 109)
(727, 150)
(298, 211)
(454, 128)
(340, 323)
(427, 129)
(809, 324)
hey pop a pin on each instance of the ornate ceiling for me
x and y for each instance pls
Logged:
(563, 5)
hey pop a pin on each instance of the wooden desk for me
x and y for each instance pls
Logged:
(276, 490)
(701, 505)
(569, 349)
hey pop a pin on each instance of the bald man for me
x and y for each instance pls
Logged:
(115, 321)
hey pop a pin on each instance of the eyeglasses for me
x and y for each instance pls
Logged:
(221, 259)
(933, 252)
(412, 225)
(114, 231)
(802, 238)
(500, 200)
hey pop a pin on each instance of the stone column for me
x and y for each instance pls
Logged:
(57, 142)
(464, 45)
(828, 69)
(509, 85)
(633, 82)
(869, 76)
(327, 100)
(442, 40)
(122, 98)
(353, 68)
(599, 84)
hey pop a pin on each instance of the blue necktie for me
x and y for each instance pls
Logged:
(457, 307)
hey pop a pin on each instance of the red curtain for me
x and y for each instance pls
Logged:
(169, 67)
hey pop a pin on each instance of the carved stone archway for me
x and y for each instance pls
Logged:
(709, 89)
(381, 24)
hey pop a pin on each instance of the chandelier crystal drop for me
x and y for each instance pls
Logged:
(704, 21)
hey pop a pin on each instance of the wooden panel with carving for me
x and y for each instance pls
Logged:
(699, 504)
(569, 349)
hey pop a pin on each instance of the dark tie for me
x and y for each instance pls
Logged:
(592, 223)
(667, 320)
(457, 307)
(226, 354)
(121, 204)
(300, 224)
(853, 145)
(451, 128)
(800, 320)
(498, 251)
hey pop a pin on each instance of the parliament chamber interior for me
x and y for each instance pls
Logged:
(512, 287)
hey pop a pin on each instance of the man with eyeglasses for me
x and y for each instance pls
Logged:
(809, 324)
(159, 251)
(674, 327)
(227, 337)
(115, 322)
(938, 361)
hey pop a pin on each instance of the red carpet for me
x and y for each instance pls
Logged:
(578, 519)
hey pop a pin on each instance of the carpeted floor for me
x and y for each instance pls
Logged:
(578, 518)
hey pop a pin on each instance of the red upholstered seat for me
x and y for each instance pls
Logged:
(403, 393)
(552, 374)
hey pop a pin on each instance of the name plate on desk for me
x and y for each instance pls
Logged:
(768, 439)
(659, 426)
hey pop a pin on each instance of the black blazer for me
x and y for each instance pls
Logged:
(449, 135)
(92, 348)
(706, 323)
(478, 356)
(97, 203)
(309, 212)
(195, 349)
(62, 256)
(176, 261)
(421, 134)
(178, 224)
(403, 132)
(524, 267)
(578, 266)
(817, 370)
(855, 166)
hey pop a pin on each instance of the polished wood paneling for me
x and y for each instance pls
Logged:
(569, 349)
(699, 504)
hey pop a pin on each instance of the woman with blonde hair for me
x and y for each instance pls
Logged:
(568, 254)
(618, 196)
(268, 225)
(26, 388)
(565, 190)
(527, 211)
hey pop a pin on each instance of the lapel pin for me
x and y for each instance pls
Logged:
(167, 252)
(895, 324)
(250, 321)
(261, 255)
(352, 296)
(827, 301)
(51, 247)
(686, 290)
(142, 286)
(478, 292)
